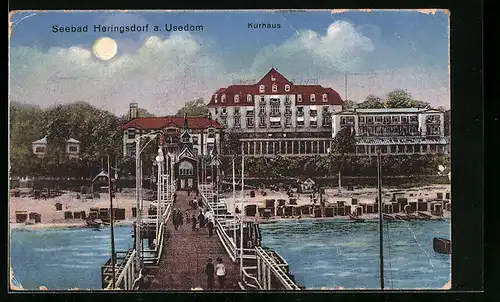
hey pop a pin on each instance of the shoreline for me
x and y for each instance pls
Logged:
(61, 225)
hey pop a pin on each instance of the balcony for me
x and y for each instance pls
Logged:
(300, 113)
(275, 113)
(250, 113)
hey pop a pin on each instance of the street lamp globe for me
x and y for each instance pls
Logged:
(159, 157)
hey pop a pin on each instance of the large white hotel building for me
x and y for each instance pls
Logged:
(274, 116)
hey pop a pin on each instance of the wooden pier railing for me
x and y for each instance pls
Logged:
(271, 270)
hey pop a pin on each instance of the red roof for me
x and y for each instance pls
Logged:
(271, 78)
(176, 121)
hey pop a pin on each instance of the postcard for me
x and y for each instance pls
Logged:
(229, 150)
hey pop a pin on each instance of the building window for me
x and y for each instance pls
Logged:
(378, 119)
(216, 110)
(325, 97)
(313, 112)
(288, 110)
(223, 98)
(211, 133)
(275, 109)
(361, 119)
(261, 88)
(287, 100)
(300, 123)
(387, 119)
(275, 124)
(413, 118)
(236, 98)
(40, 149)
(250, 122)
(224, 121)
(73, 149)
(249, 98)
(275, 87)
(395, 119)
(236, 110)
(237, 122)
(262, 122)
(262, 110)
(326, 110)
(288, 122)
(223, 111)
(313, 124)
(369, 119)
(195, 151)
(130, 150)
(131, 133)
(250, 112)
(327, 121)
(195, 140)
(299, 98)
(262, 100)
(287, 87)
(313, 97)
(300, 111)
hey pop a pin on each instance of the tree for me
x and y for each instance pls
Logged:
(349, 104)
(400, 98)
(371, 101)
(343, 143)
(196, 108)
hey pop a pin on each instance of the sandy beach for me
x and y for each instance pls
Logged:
(50, 218)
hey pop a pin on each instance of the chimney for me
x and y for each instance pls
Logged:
(133, 111)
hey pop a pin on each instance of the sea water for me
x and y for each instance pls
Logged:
(327, 253)
(64, 258)
(332, 253)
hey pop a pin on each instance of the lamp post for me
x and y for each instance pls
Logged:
(138, 191)
(159, 206)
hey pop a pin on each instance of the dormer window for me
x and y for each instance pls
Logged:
(313, 97)
(287, 88)
(275, 87)
(249, 98)
(261, 88)
(325, 97)
(223, 98)
(236, 98)
(299, 98)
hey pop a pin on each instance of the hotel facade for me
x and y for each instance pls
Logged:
(395, 130)
(274, 116)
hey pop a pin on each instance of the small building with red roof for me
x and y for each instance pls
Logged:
(203, 132)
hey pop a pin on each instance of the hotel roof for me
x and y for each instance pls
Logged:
(273, 77)
(173, 121)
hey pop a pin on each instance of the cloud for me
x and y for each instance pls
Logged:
(162, 74)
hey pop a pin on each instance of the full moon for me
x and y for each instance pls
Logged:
(104, 48)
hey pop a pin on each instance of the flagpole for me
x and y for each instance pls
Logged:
(234, 201)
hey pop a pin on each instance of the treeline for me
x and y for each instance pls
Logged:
(327, 166)
(96, 129)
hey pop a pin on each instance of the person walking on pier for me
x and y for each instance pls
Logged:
(193, 221)
(210, 272)
(201, 220)
(180, 218)
(175, 219)
(220, 271)
(210, 226)
(189, 192)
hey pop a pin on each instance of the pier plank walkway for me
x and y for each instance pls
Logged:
(185, 254)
